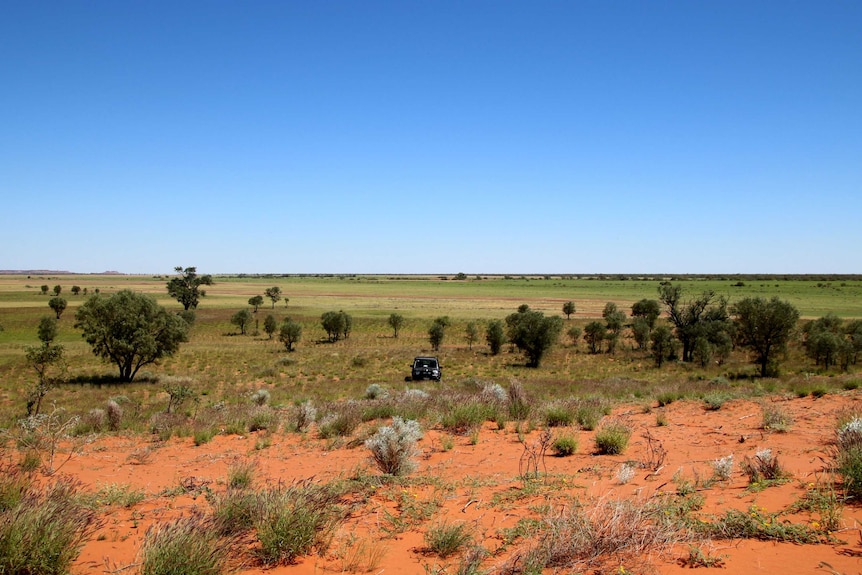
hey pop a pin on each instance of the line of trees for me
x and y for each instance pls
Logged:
(131, 330)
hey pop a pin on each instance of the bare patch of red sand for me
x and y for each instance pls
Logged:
(482, 487)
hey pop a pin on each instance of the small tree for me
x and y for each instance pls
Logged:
(290, 333)
(255, 302)
(663, 344)
(574, 334)
(396, 321)
(186, 288)
(130, 330)
(471, 334)
(241, 319)
(76, 290)
(594, 335)
(337, 324)
(569, 309)
(641, 332)
(57, 289)
(274, 294)
(58, 304)
(43, 359)
(495, 336)
(44, 289)
(647, 309)
(764, 327)
(436, 333)
(270, 325)
(533, 333)
(614, 318)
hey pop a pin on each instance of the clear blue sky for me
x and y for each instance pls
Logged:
(431, 136)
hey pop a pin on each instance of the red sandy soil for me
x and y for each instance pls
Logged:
(693, 439)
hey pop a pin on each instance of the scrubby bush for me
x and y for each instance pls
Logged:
(187, 545)
(763, 466)
(114, 414)
(393, 446)
(292, 521)
(260, 397)
(565, 445)
(304, 415)
(42, 529)
(445, 539)
(559, 415)
(376, 391)
(612, 438)
(519, 402)
(776, 418)
(723, 467)
(848, 455)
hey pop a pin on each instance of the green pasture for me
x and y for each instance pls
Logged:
(227, 367)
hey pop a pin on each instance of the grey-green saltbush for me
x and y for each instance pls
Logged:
(393, 446)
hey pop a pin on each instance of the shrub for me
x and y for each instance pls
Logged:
(262, 418)
(611, 531)
(764, 466)
(565, 445)
(613, 438)
(625, 473)
(519, 403)
(291, 521)
(241, 475)
(588, 416)
(115, 415)
(186, 545)
(341, 422)
(42, 529)
(776, 419)
(465, 416)
(713, 401)
(667, 397)
(847, 453)
(375, 391)
(304, 415)
(203, 435)
(723, 467)
(234, 511)
(393, 446)
(559, 415)
(260, 397)
(445, 539)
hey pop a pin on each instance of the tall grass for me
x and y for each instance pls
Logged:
(188, 545)
(42, 529)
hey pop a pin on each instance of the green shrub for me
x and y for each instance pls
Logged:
(203, 435)
(714, 400)
(465, 416)
(565, 445)
(445, 539)
(667, 397)
(241, 475)
(848, 455)
(612, 438)
(188, 545)
(588, 416)
(559, 415)
(42, 529)
(292, 521)
(234, 511)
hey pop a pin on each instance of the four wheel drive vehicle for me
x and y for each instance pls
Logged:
(426, 368)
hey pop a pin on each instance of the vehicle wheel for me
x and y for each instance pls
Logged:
(408, 378)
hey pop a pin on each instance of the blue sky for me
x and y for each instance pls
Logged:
(431, 136)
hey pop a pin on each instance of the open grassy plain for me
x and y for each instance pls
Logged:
(226, 366)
